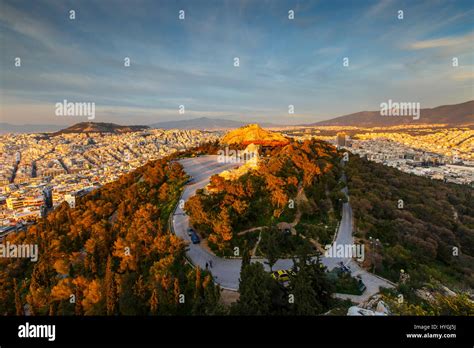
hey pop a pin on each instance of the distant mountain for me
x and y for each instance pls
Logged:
(100, 127)
(254, 134)
(454, 115)
(203, 123)
(28, 128)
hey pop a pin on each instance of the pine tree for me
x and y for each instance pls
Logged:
(198, 290)
(270, 245)
(78, 310)
(211, 297)
(176, 290)
(256, 290)
(154, 302)
(310, 286)
(18, 305)
(246, 257)
(304, 296)
(198, 283)
(110, 288)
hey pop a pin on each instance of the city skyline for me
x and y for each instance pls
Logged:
(190, 62)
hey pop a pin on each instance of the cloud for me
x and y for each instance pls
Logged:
(442, 42)
(379, 8)
(191, 62)
(27, 25)
(464, 75)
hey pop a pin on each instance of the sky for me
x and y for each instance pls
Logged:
(190, 62)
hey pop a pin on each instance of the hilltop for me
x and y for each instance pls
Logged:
(100, 127)
(259, 197)
(203, 123)
(254, 134)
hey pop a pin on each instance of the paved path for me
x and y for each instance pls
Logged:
(226, 272)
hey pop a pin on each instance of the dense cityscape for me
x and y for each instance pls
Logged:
(445, 154)
(40, 171)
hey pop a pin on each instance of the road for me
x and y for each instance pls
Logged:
(225, 271)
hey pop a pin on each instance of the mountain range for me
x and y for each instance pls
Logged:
(28, 128)
(453, 115)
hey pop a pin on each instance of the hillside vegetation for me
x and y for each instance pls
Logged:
(112, 254)
(269, 194)
(431, 236)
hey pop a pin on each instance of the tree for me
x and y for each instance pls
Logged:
(310, 286)
(128, 302)
(176, 291)
(222, 234)
(18, 305)
(270, 245)
(76, 274)
(256, 289)
(305, 297)
(212, 294)
(92, 298)
(110, 288)
(246, 257)
(154, 302)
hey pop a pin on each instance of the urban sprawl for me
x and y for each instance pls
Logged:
(40, 171)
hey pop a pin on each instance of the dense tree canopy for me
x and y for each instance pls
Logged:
(425, 227)
(111, 254)
(267, 195)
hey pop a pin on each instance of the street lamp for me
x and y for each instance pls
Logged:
(373, 245)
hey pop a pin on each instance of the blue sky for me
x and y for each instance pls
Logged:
(190, 62)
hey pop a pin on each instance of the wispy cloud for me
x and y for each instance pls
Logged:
(443, 42)
(379, 8)
(190, 62)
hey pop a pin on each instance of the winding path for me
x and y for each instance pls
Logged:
(225, 271)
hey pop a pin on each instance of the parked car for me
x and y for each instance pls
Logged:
(344, 268)
(361, 285)
(283, 275)
(195, 238)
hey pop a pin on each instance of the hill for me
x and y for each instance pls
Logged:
(421, 238)
(254, 134)
(113, 252)
(454, 115)
(260, 198)
(202, 123)
(100, 127)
